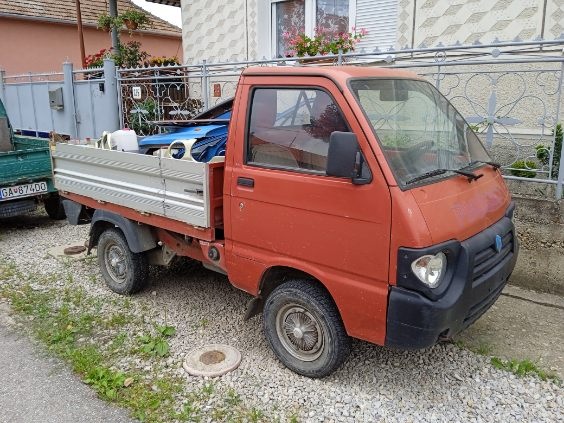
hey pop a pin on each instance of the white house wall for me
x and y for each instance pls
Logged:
(219, 30)
(554, 25)
(470, 20)
(240, 29)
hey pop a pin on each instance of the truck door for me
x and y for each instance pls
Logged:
(285, 211)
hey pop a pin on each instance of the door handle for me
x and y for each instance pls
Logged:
(245, 182)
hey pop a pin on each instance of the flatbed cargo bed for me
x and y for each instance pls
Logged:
(183, 191)
(29, 161)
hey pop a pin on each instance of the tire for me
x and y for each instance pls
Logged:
(125, 272)
(17, 208)
(54, 207)
(304, 329)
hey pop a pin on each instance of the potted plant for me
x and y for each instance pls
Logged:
(130, 55)
(162, 61)
(106, 22)
(323, 42)
(96, 60)
(134, 19)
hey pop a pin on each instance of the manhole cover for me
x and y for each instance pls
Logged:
(76, 249)
(212, 357)
(212, 360)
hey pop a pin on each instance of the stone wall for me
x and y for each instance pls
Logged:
(540, 228)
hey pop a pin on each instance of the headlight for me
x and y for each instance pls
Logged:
(429, 269)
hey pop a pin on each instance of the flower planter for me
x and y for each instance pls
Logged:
(318, 60)
(131, 25)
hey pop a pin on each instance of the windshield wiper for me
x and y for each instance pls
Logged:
(496, 166)
(471, 177)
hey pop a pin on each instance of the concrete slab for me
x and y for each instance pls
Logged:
(36, 388)
(59, 252)
(522, 325)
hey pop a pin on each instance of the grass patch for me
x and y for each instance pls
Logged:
(523, 368)
(94, 335)
(520, 368)
(7, 271)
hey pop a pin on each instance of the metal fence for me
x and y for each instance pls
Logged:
(75, 103)
(511, 92)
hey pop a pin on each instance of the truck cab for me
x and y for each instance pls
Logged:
(353, 202)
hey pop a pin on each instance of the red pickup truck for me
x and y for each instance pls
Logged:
(351, 202)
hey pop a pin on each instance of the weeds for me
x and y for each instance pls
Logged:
(520, 368)
(233, 398)
(523, 368)
(7, 271)
(82, 331)
(484, 349)
(157, 345)
(207, 390)
(255, 415)
(106, 382)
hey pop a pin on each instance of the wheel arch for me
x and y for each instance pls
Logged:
(139, 237)
(278, 275)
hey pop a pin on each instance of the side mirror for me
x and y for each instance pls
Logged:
(345, 160)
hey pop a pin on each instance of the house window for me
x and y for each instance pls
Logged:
(304, 16)
(332, 15)
(289, 16)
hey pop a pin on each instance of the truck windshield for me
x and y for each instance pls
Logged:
(422, 135)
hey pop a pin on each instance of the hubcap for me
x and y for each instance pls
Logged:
(299, 332)
(116, 264)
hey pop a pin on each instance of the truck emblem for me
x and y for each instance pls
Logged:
(498, 243)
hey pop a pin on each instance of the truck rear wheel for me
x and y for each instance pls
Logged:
(125, 272)
(305, 330)
(54, 207)
(17, 208)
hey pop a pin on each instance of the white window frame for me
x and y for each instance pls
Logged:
(310, 8)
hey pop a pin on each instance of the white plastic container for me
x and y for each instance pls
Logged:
(125, 140)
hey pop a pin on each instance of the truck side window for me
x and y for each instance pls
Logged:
(290, 128)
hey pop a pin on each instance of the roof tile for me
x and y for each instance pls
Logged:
(65, 11)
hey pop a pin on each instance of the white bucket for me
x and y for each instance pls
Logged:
(125, 140)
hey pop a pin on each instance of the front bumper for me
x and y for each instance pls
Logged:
(416, 321)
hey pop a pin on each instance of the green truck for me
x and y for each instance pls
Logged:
(26, 178)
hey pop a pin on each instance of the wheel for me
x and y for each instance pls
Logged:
(17, 208)
(54, 207)
(125, 272)
(304, 329)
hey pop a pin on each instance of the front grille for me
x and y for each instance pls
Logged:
(486, 262)
(480, 308)
(488, 258)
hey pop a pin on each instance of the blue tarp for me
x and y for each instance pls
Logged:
(184, 133)
(211, 140)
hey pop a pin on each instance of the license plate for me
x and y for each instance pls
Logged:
(26, 190)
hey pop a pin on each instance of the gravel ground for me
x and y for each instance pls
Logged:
(444, 383)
